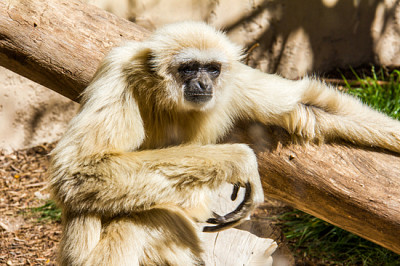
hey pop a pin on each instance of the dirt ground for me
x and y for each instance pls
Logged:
(24, 239)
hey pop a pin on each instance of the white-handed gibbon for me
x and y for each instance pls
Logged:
(135, 168)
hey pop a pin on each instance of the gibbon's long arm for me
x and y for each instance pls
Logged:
(116, 183)
(313, 111)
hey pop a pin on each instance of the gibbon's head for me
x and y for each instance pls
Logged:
(194, 61)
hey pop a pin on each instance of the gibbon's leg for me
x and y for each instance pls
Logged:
(86, 248)
(149, 237)
(313, 111)
(81, 234)
(159, 236)
(127, 182)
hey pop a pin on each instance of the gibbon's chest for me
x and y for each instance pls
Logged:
(164, 135)
(172, 131)
(167, 134)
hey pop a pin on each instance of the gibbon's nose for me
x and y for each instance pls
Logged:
(199, 90)
(204, 84)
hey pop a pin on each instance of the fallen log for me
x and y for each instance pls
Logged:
(60, 43)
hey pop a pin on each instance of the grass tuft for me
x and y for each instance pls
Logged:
(313, 239)
(48, 212)
(380, 91)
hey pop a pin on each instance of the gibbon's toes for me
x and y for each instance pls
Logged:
(233, 217)
(235, 191)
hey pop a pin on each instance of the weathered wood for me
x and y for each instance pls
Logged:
(59, 44)
(237, 247)
(357, 189)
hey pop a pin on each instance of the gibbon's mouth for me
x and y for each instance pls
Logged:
(198, 97)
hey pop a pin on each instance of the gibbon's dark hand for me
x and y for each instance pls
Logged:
(234, 217)
(235, 191)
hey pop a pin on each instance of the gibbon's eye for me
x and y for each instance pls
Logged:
(189, 69)
(214, 69)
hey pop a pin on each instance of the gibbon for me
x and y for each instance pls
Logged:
(134, 171)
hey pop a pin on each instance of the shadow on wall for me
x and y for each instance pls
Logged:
(42, 122)
(30, 114)
(303, 36)
(290, 37)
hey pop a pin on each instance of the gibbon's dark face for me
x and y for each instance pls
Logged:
(198, 80)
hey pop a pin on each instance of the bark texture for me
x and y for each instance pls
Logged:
(60, 43)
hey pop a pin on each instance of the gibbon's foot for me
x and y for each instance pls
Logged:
(233, 217)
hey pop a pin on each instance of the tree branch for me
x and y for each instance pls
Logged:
(60, 43)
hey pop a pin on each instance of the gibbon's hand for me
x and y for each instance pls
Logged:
(253, 195)
(235, 191)
(234, 217)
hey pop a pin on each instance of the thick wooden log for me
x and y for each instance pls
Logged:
(60, 43)
(355, 188)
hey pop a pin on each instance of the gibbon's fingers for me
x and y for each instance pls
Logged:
(220, 227)
(214, 219)
(241, 210)
(233, 217)
(235, 191)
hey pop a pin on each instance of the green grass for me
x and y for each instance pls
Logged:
(315, 240)
(47, 212)
(381, 90)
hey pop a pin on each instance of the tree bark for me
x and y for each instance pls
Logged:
(59, 44)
